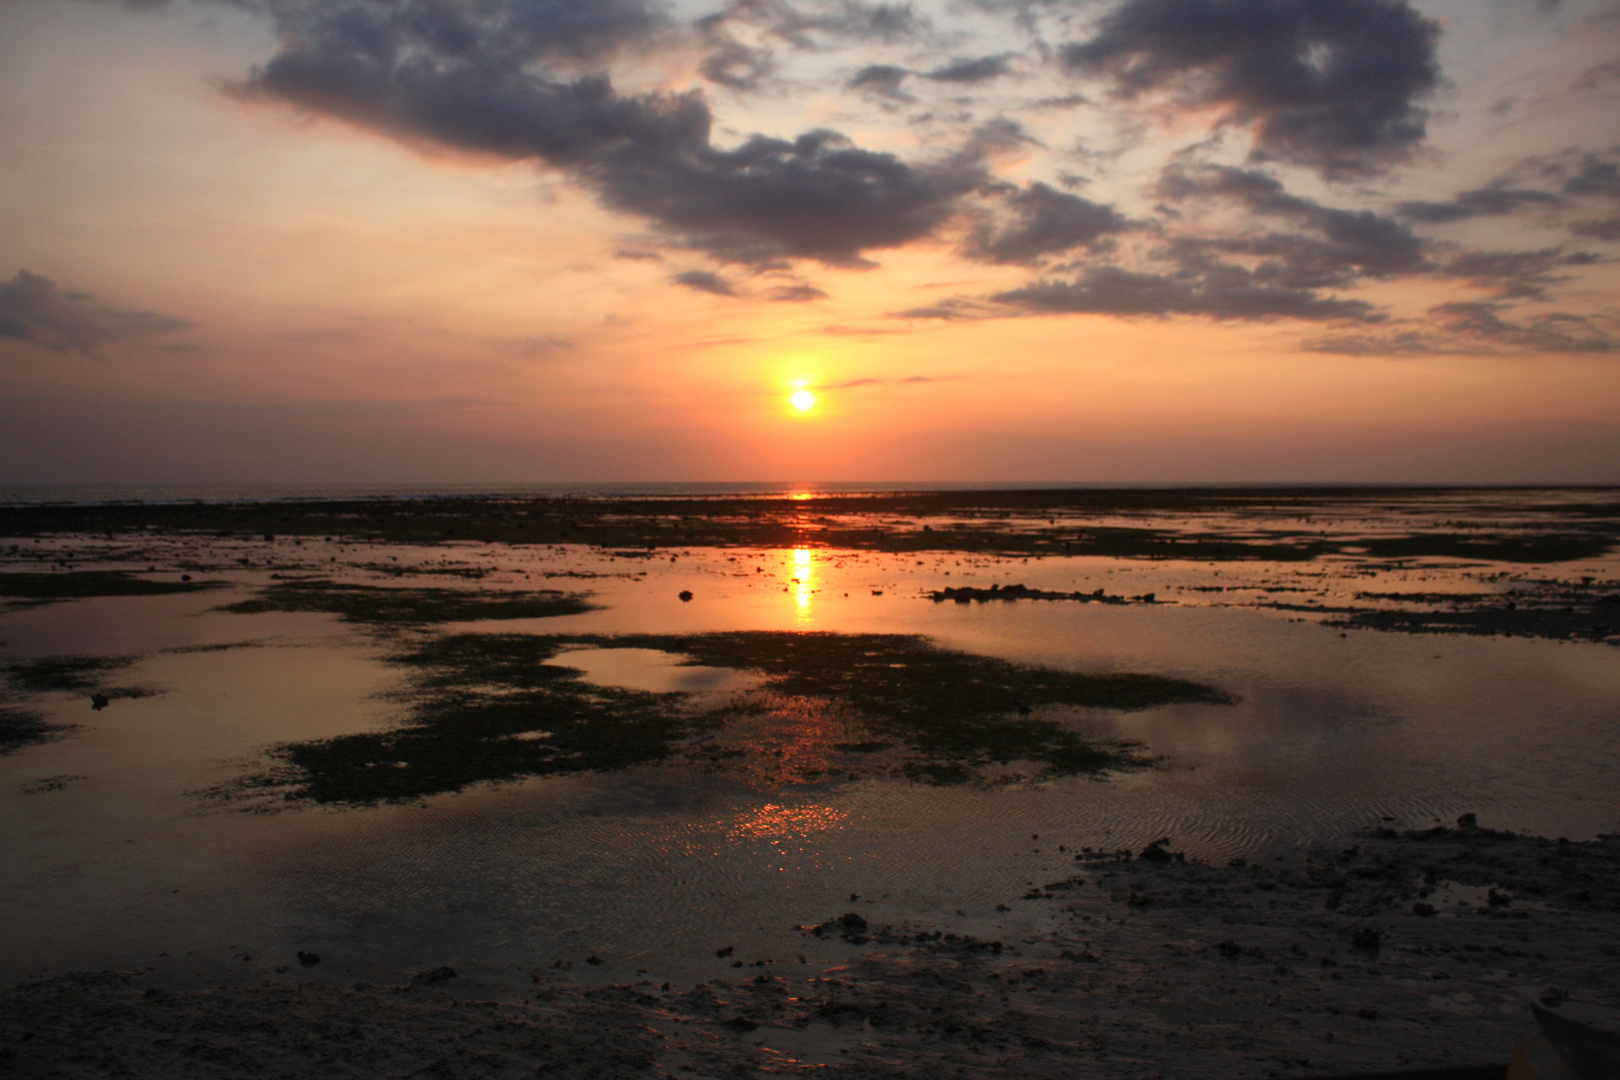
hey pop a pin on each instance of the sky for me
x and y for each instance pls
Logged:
(476, 241)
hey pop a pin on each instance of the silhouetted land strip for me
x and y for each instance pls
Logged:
(494, 707)
(1487, 524)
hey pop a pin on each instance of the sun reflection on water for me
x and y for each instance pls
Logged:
(802, 582)
(773, 822)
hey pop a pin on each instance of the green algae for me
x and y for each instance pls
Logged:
(499, 707)
(381, 605)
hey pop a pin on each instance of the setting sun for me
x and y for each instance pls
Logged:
(803, 400)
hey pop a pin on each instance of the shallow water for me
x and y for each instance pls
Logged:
(111, 859)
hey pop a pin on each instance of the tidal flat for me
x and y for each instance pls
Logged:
(579, 748)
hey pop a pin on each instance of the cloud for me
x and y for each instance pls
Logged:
(1348, 243)
(795, 294)
(1222, 292)
(32, 309)
(1598, 228)
(705, 281)
(1331, 84)
(475, 78)
(1483, 202)
(1039, 220)
(812, 25)
(1476, 329)
(881, 79)
(1594, 176)
(1552, 332)
(739, 66)
(542, 344)
(971, 70)
(853, 384)
(1512, 274)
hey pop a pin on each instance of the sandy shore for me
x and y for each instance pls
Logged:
(1394, 950)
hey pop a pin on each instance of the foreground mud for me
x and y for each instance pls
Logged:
(1394, 950)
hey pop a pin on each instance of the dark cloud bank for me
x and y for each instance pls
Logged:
(1335, 86)
(464, 76)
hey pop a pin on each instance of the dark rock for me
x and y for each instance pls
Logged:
(1468, 821)
(1366, 938)
(850, 922)
(686, 596)
(98, 702)
(307, 959)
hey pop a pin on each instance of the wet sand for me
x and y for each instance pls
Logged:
(1396, 951)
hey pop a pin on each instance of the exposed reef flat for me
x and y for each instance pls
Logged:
(1285, 524)
(1148, 965)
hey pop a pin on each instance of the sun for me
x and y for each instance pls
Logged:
(803, 400)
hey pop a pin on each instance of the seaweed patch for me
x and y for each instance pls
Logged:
(499, 707)
(379, 605)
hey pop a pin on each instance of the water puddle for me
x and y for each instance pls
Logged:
(653, 671)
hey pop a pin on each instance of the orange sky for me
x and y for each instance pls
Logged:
(220, 261)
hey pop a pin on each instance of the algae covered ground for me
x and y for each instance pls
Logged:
(493, 707)
(384, 606)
